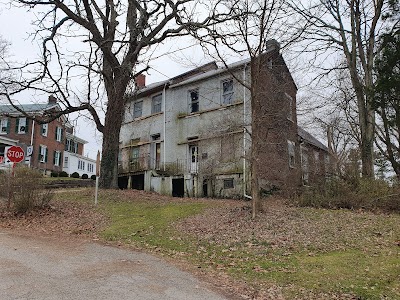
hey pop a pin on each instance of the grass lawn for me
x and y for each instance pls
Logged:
(286, 253)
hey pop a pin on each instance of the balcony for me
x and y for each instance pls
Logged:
(146, 163)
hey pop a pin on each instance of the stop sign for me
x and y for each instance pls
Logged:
(15, 154)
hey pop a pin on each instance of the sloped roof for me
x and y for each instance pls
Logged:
(28, 108)
(310, 139)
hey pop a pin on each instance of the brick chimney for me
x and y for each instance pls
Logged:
(140, 81)
(52, 99)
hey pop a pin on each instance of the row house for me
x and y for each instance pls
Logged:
(191, 135)
(45, 145)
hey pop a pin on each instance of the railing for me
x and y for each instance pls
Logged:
(145, 163)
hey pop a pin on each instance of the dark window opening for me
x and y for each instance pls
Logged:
(194, 101)
(228, 183)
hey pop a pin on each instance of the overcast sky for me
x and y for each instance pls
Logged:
(15, 27)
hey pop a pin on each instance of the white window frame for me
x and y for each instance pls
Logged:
(21, 125)
(137, 113)
(156, 104)
(3, 125)
(45, 129)
(57, 157)
(66, 161)
(292, 153)
(58, 134)
(227, 95)
(43, 150)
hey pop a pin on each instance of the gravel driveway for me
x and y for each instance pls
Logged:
(49, 268)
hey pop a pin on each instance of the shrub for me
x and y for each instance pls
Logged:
(85, 176)
(26, 189)
(360, 194)
(54, 174)
(63, 174)
(93, 177)
(75, 175)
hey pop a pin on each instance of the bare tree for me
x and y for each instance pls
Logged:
(250, 33)
(102, 45)
(347, 28)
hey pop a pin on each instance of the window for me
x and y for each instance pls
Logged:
(59, 134)
(66, 162)
(134, 154)
(228, 183)
(45, 129)
(57, 158)
(71, 146)
(81, 165)
(156, 104)
(228, 148)
(304, 165)
(289, 100)
(227, 91)
(43, 154)
(137, 109)
(194, 101)
(291, 151)
(90, 168)
(4, 126)
(21, 126)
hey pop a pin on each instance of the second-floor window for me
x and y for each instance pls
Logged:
(227, 91)
(71, 146)
(4, 126)
(137, 109)
(134, 157)
(45, 129)
(21, 126)
(59, 134)
(289, 100)
(156, 104)
(194, 101)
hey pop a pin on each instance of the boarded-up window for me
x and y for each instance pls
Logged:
(228, 148)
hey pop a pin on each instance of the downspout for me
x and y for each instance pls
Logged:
(164, 125)
(244, 135)
(33, 130)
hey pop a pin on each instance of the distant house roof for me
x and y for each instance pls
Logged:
(28, 108)
(311, 139)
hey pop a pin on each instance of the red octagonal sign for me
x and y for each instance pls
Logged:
(15, 154)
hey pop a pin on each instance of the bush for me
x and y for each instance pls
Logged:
(85, 176)
(75, 175)
(93, 177)
(54, 174)
(360, 194)
(63, 174)
(26, 189)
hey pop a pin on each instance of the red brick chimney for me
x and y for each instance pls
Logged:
(140, 81)
(52, 99)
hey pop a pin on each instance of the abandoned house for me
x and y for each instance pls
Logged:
(192, 135)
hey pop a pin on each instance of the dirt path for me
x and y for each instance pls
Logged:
(56, 268)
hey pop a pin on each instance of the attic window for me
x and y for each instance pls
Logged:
(194, 101)
(227, 91)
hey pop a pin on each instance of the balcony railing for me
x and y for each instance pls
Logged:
(146, 163)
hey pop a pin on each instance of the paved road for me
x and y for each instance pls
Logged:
(48, 268)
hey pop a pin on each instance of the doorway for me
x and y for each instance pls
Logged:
(138, 182)
(178, 187)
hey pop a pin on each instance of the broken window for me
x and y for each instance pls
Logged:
(291, 151)
(156, 104)
(289, 100)
(21, 125)
(227, 91)
(304, 165)
(194, 101)
(137, 109)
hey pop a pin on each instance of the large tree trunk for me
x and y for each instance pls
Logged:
(112, 127)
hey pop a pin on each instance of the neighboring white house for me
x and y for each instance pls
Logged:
(74, 161)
